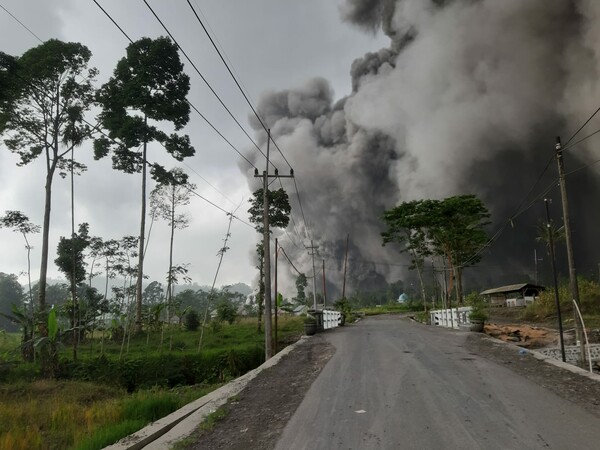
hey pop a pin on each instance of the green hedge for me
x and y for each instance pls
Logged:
(209, 366)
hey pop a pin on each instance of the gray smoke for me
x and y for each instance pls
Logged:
(468, 98)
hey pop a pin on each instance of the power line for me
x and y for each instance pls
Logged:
(207, 182)
(22, 24)
(113, 21)
(203, 78)
(188, 102)
(218, 207)
(582, 126)
(236, 81)
(301, 209)
(289, 260)
(581, 140)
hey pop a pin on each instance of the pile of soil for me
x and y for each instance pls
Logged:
(523, 335)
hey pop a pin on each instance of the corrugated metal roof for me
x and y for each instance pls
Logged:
(511, 288)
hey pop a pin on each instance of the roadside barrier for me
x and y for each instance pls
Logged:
(451, 318)
(331, 319)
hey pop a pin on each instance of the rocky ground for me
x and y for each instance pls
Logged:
(257, 416)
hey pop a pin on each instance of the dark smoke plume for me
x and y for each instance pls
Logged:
(468, 98)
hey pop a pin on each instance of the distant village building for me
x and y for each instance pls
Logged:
(513, 294)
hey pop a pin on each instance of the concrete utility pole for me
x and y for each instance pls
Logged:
(570, 258)
(267, 248)
(312, 249)
(324, 287)
(555, 278)
(346, 266)
(535, 261)
(276, 295)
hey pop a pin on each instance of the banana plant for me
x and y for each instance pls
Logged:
(21, 317)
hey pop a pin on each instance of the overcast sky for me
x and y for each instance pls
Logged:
(271, 44)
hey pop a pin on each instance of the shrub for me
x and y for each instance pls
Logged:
(545, 306)
(192, 320)
(226, 312)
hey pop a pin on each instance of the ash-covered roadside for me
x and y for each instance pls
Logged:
(576, 388)
(255, 418)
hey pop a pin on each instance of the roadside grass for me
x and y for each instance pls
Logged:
(214, 417)
(10, 344)
(81, 415)
(386, 309)
(544, 309)
(71, 414)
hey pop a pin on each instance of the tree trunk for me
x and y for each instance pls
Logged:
(140, 274)
(459, 291)
(419, 267)
(75, 321)
(170, 273)
(42, 313)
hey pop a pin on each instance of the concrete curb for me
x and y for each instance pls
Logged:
(162, 434)
(549, 360)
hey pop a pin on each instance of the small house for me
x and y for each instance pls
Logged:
(513, 294)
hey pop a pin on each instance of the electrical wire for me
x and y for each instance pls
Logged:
(582, 126)
(289, 260)
(113, 21)
(236, 81)
(301, 209)
(203, 78)
(208, 122)
(580, 140)
(219, 208)
(22, 24)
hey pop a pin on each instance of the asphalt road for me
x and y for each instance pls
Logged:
(394, 384)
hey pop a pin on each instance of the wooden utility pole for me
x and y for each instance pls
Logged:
(346, 265)
(570, 258)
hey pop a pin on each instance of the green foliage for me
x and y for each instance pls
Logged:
(192, 320)
(343, 305)
(81, 415)
(51, 90)
(452, 228)
(71, 260)
(544, 308)
(151, 82)
(301, 283)
(110, 434)
(11, 293)
(279, 209)
(478, 306)
(43, 113)
(214, 417)
(226, 312)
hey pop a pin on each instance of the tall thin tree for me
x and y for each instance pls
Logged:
(165, 199)
(148, 86)
(50, 90)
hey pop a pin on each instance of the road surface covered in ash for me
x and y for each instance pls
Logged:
(389, 383)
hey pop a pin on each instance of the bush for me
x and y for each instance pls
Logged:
(545, 306)
(192, 320)
(226, 312)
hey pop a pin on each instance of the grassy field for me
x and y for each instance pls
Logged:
(76, 414)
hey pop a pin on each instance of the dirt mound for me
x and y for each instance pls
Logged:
(523, 335)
